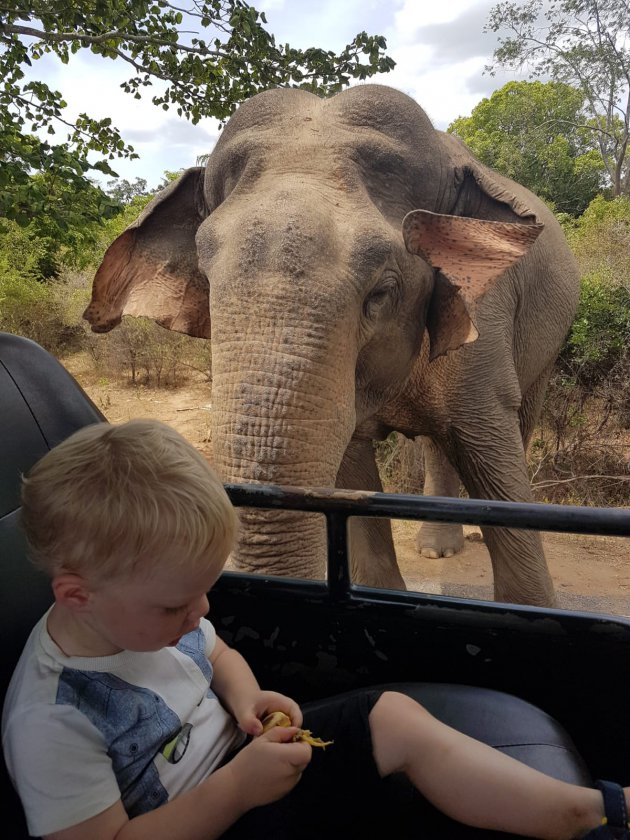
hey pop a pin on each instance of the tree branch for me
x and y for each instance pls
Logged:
(116, 34)
(541, 485)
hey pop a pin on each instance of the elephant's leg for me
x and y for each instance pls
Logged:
(439, 539)
(492, 465)
(372, 553)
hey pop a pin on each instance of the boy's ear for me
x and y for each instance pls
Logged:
(72, 591)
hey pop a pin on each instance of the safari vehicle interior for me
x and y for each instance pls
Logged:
(546, 686)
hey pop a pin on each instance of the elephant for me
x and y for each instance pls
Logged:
(357, 272)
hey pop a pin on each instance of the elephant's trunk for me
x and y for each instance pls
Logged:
(283, 413)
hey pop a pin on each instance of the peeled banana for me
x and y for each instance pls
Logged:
(280, 719)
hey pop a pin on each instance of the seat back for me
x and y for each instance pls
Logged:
(41, 404)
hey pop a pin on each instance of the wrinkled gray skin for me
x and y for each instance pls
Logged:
(325, 311)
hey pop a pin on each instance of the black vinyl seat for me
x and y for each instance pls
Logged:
(40, 405)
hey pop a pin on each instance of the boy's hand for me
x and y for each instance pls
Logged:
(270, 766)
(250, 716)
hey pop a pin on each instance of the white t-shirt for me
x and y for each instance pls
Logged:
(80, 733)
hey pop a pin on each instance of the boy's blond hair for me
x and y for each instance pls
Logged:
(113, 499)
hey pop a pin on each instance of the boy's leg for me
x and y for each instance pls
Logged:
(341, 793)
(474, 783)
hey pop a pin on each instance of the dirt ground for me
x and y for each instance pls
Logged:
(590, 573)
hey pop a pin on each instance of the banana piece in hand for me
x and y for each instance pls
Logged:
(280, 719)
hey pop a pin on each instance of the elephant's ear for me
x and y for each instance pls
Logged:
(151, 269)
(469, 254)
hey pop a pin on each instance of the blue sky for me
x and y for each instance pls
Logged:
(440, 49)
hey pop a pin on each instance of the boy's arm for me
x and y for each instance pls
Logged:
(262, 772)
(235, 684)
(199, 814)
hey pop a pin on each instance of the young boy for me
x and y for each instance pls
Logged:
(127, 717)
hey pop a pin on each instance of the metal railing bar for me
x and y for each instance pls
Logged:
(534, 516)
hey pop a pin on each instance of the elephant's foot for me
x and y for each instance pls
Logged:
(437, 539)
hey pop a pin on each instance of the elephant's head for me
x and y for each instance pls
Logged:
(323, 238)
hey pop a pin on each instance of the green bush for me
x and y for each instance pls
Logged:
(600, 238)
(600, 335)
(21, 251)
(597, 346)
(27, 305)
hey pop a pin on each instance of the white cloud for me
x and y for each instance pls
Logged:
(414, 16)
(330, 24)
(441, 52)
(270, 5)
(444, 92)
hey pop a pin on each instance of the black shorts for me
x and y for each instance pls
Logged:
(340, 793)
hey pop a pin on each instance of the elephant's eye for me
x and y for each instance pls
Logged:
(383, 297)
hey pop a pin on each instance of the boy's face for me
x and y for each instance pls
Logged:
(147, 613)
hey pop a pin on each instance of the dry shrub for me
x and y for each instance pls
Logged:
(580, 452)
(400, 464)
(148, 354)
